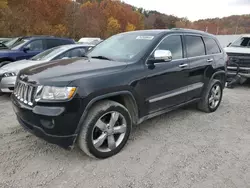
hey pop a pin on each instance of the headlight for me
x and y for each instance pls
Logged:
(9, 74)
(55, 93)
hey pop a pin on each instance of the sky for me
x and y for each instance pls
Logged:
(195, 9)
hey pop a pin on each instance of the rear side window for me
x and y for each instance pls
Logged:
(51, 43)
(174, 45)
(195, 46)
(212, 46)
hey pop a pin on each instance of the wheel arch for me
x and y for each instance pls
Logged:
(218, 74)
(124, 98)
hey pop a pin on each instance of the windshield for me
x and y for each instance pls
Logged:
(122, 47)
(19, 44)
(241, 42)
(11, 42)
(48, 54)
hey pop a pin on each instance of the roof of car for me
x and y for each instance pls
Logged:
(42, 37)
(173, 30)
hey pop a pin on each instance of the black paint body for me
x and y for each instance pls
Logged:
(153, 89)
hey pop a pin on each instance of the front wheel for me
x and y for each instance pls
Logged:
(211, 97)
(106, 130)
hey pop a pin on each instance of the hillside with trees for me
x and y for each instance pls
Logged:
(101, 18)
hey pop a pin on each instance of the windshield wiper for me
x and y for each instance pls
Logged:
(101, 57)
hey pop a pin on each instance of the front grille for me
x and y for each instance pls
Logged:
(243, 60)
(25, 92)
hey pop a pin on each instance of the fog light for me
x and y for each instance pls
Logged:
(49, 124)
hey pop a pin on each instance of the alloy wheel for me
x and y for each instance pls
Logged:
(109, 131)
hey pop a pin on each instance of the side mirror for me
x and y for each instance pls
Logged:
(161, 56)
(25, 49)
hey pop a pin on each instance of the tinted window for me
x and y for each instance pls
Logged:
(174, 45)
(51, 43)
(242, 42)
(36, 45)
(195, 46)
(212, 46)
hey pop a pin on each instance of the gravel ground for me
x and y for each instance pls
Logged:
(185, 148)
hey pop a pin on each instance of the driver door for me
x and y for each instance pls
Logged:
(167, 83)
(33, 48)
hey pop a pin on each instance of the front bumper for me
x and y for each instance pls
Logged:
(55, 124)
(7, 84)
(243, 71)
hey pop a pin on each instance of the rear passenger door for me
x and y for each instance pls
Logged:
(213, 50)
(198, 61)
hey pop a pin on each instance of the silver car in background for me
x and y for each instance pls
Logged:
(8, 72)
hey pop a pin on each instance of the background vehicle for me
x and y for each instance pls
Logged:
(3, 42)
(123, 81)
(90, 40)
(239, 58)
(28, 47)
(8, 72)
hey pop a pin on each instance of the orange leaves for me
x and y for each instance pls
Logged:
(130, 27)
(3, 4)
(113, 26)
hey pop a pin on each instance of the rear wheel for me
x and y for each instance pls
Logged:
(211, 97)
(106, 130)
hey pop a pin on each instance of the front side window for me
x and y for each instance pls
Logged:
(195, 46)
(124, 47)
(212, 46)
(36, 45)
(241, 42)
(174, 45)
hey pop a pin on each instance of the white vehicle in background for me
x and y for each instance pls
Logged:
(9, 72)
(239, 57)
(90, 40)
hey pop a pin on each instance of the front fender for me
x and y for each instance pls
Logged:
(98, 98)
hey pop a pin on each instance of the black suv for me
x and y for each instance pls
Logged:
(123, 81)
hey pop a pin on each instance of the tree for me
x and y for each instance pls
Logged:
(130, 27)
(159, 24)
(113, 26)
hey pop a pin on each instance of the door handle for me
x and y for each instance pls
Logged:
(183, 65)
(210, 60)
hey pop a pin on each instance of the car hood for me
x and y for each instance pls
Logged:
(241, 50)
(18, 65)
(65, 71)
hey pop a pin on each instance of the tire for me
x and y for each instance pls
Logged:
(4, 63)
(90, 133)
(204, 104)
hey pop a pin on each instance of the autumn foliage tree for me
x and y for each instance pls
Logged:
(98, 18)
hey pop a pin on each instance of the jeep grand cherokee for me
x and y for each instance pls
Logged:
(124, 81)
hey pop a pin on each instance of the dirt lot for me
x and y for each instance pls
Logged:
(185, 148)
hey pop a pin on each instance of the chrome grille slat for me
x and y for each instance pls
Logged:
(25, 92)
